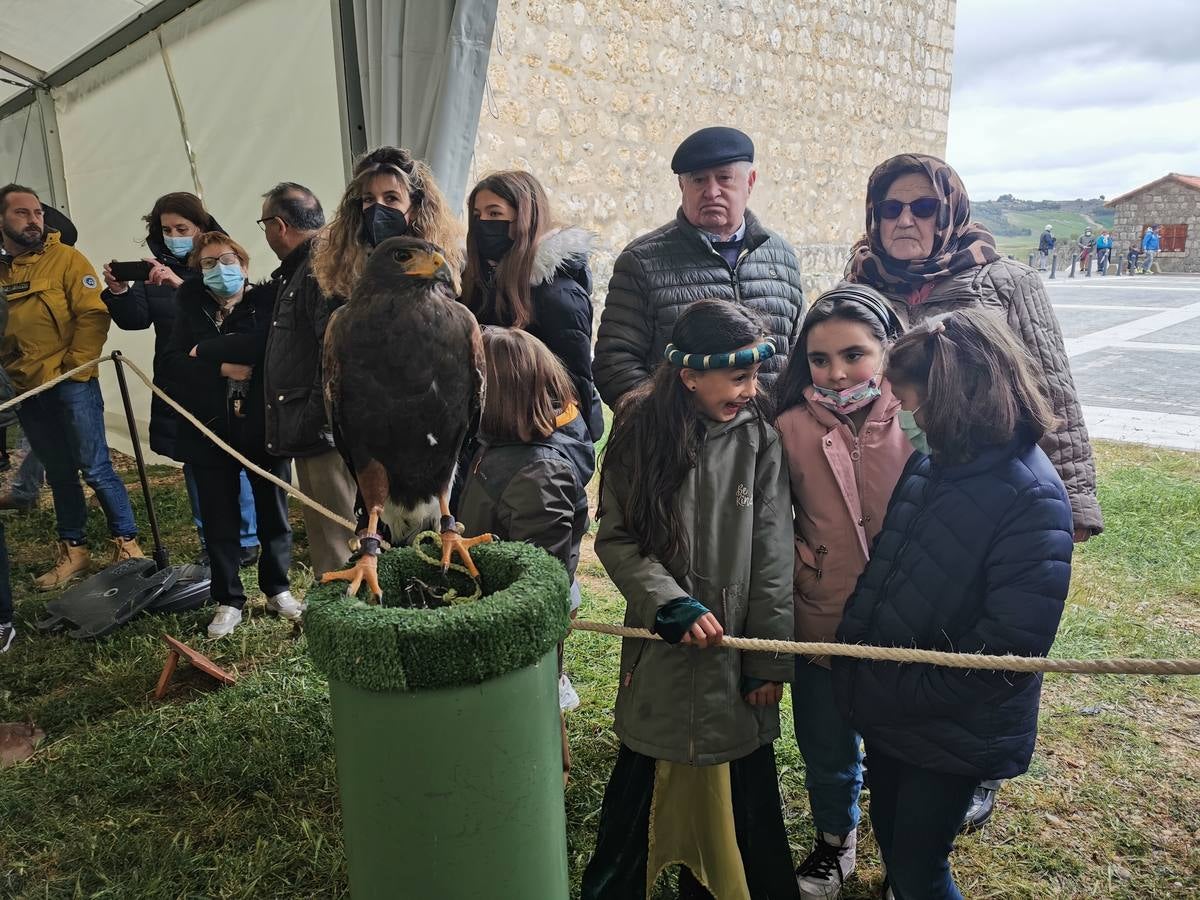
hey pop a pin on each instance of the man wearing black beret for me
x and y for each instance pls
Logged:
(715, 248)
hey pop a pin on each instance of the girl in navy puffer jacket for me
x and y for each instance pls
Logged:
(975, 557)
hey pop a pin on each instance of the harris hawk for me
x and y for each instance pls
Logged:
(404, 384)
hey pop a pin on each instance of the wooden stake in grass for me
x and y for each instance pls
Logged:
(197, 659)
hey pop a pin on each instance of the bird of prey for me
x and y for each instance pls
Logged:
(403, 372)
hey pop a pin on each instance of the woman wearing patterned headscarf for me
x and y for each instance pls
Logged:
(923, 252)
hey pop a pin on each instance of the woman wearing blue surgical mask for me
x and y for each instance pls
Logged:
(172, 226)
(215, 357)
(391, 194)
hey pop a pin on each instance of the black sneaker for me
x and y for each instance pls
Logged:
(8, 634)
(983, 804)
(249, 556)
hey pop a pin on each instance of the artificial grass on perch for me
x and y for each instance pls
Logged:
(446, 727)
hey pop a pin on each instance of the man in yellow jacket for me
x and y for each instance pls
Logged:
(56, 321)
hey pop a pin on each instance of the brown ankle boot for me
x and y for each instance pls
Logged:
(71, 563)
(125, 548)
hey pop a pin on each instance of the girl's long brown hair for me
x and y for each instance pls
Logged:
(527, 387)
(979, 382)
(339, 254)
(658, 430)
(511, 297)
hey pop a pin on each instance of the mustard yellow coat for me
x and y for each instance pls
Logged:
(56, 319)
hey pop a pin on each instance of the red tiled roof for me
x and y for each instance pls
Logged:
(1192, 181)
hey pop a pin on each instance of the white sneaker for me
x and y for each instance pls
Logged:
(568, 699)
(821, 875)
(8, 633)
(226, 619)
(286, 606)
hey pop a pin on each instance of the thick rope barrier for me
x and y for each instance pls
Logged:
(1113, 666)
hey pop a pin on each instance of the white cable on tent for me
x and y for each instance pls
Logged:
(183, 129)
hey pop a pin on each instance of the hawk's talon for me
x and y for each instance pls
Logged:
(365, 569)
(453, 542)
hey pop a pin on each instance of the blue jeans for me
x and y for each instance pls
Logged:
(831, 751)
(6, 607)
(31, 474)
(65, 427)
(916, 814)
(1148, 261)
(248, 536)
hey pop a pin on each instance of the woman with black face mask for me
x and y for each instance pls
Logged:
(390, 194)
(523, 272)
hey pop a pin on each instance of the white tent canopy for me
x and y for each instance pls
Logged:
(130, 100)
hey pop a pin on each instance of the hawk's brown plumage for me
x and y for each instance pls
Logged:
(403, 372)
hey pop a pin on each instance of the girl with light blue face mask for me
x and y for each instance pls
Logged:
(846, 448)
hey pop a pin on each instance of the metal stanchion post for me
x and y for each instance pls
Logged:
(1053, 264)
(160, 552)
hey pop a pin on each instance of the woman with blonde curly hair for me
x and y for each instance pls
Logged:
(390, 194)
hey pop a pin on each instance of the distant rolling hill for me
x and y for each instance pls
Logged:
(1018, 224)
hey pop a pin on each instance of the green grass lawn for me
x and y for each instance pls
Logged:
(232, 793)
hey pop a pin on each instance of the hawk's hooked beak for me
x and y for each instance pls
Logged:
(428, 265)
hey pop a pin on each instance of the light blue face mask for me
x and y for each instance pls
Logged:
(180, 247)
(914, 432)
(223, 280)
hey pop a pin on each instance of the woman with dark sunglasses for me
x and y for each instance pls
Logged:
(923, 252)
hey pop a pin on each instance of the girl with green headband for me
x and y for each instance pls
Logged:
(695, 531)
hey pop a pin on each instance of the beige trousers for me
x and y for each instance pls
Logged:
(326, 479)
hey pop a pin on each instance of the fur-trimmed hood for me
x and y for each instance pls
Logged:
(565, 250)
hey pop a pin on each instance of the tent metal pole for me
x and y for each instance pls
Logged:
(349, 83)
(54, 155)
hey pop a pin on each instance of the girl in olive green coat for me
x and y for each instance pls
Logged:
(695, 531)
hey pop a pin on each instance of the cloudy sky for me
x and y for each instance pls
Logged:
(1058, 100)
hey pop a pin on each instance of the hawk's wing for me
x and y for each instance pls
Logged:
(331, 367)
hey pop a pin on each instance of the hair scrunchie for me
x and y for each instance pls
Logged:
(739, 359)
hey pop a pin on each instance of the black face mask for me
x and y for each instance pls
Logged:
(492, 240)
(382, 222)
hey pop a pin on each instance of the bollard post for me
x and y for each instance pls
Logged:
(1073, 261)
(1031, 260)
(1053, 264)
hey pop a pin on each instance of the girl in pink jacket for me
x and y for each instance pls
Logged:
(846, 446)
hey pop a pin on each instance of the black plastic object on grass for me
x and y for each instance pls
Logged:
(112, 597)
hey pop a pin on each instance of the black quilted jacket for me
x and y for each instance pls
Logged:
(661, 273)
(974, 558)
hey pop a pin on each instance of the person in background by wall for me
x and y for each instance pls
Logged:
(296, 424)
(1103, 251)
(1084, 251)
(57, 321)
(715, 248)
(524, 272)
(1150, 244)
(1134, 252)
(171, 227)
(1045, 247)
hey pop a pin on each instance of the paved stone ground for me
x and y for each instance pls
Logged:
(1134, 343)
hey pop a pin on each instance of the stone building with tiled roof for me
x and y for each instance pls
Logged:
(1172, 202)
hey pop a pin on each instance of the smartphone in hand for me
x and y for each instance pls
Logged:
(138, 270)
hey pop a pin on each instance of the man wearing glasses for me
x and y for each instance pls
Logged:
(714, 248)
(296, 423)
